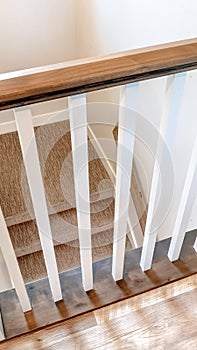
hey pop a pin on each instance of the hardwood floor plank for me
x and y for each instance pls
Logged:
(152, 297)
(106, 291)
(168, 324)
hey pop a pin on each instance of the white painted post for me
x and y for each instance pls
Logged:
(184, 210)
(2, 334)
(135, 234)
(126, 139)
(169, 119)
(26, 134)
(12, 265)
(195, 245)
(78, 126)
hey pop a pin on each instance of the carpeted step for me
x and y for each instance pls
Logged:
(67, 255)
(54, 148)
(25, 238)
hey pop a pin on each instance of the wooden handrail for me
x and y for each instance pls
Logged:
(95, 75)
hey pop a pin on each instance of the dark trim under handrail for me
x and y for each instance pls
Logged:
(99, 74)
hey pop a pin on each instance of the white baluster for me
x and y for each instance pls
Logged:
(126, 138)
(25, 129)
(195, 245)
(168, 125)
(12, 265)
(2, 334)
(78, 125)
(185, 206)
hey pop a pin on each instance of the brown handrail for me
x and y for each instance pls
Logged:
(108, 72)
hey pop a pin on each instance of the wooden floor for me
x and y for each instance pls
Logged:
(165, 318)
(106, 292)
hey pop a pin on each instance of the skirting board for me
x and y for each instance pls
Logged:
(106, 291)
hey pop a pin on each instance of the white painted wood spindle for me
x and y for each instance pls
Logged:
(78, 126)
(195, 245)
(27, 139)
(2, 334)
(126, 139)
(185, 206)
(134, 231)
(169, 120)
(12, 265)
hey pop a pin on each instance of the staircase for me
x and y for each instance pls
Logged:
(54, 146)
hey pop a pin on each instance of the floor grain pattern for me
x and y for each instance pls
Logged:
(106, 292)
(161, 319)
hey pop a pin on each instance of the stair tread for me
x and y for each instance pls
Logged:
(67, 256)
(25, 238)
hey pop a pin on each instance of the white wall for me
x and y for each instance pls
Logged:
(106, 26)
(35, 33)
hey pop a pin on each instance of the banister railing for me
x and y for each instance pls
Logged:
(126, 70)
(136, 65)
